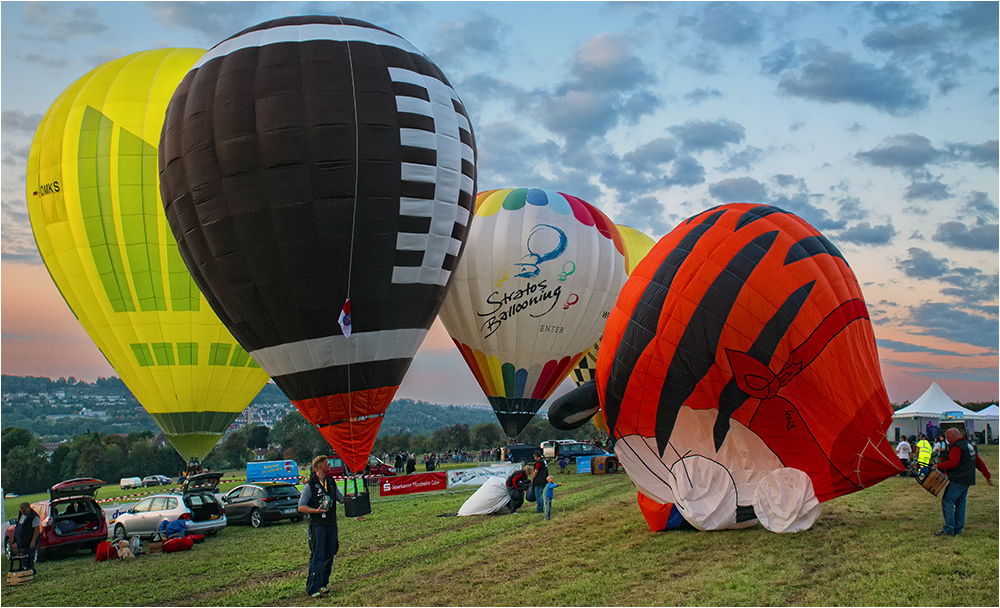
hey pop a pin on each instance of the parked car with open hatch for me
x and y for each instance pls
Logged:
(69, 519)
(196, 505)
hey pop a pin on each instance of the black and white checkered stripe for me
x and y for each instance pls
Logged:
(436, 139)
(439, 155)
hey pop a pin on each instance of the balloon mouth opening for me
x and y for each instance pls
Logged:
(194, 446)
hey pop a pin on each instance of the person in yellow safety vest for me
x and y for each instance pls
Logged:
(924, 450)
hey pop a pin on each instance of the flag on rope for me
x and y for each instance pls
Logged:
(345, 319)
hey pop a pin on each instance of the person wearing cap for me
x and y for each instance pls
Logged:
(318, 500)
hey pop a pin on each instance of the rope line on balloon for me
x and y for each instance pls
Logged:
(354, 217)
(872, 444)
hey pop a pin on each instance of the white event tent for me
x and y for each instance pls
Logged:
(929, 407)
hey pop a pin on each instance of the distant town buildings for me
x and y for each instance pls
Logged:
(262, 414)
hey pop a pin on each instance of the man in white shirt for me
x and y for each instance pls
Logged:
(903, 451)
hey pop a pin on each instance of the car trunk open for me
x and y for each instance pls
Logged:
(202, 482)
(82, 486)
(198, 496)
(73, 516)
(203, 506)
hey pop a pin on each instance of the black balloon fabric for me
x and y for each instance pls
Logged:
(311, 160)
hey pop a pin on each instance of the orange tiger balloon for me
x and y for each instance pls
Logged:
(739, 376)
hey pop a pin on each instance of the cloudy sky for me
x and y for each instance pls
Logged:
(875, 122)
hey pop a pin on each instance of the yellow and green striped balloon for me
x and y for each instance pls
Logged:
(94, 202)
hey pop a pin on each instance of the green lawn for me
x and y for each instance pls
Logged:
(874, 547)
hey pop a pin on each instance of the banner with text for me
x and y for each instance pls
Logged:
(413, 484)
(477, 476)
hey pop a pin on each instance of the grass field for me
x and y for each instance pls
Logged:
(871, 548)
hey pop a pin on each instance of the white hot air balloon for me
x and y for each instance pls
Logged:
(539, 276)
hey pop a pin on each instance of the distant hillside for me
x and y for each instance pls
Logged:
(270, 394)
(421, 418)
(36, 414)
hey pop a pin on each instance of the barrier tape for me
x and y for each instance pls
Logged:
(158, 491)
(297, 480)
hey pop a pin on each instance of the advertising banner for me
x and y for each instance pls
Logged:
(413, 484)
(583, 464)
(469, 478)
(272, 470)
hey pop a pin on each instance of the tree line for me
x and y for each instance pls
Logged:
(28, 469)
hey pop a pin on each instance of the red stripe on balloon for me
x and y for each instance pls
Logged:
(470, 360)
(581, 209)
(543, 380)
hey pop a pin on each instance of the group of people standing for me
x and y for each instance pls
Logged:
(924, 450)
(406, 462)
(407, 459)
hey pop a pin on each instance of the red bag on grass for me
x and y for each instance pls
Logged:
(177, 544)
(102, 552)
(105, 551)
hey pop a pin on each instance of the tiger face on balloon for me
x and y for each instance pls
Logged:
(738, 373)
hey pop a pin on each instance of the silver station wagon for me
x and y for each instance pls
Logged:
(196, 506)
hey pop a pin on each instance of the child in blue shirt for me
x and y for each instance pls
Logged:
(550, 488)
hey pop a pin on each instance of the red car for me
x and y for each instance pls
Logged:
(375, 467)
(70, 519)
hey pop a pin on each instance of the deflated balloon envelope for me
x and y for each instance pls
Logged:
(306, 162)
(99, 225)
(530, 296)
(739, 376)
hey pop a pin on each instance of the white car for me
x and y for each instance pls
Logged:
(196, 505)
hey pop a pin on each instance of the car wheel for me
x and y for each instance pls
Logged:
(120, 532)
(296, 519)
(255, 519)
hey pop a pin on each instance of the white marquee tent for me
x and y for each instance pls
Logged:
(929, 407)
(991, 413)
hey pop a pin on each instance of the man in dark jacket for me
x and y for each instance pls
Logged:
(317, 501)
(960, 466)
(538, 481)
(26, 535)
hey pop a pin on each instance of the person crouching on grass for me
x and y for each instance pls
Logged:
(317, 501)
(550, 493)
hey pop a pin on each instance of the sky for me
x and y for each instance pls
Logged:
(875, 122)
